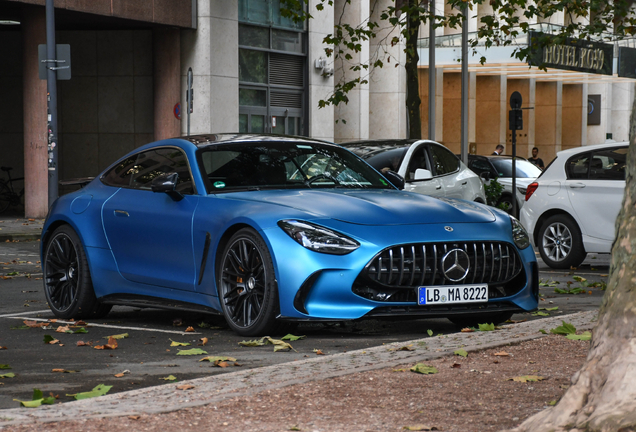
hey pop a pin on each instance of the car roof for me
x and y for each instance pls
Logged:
(583, 149)
(206, 140)
(495, 157)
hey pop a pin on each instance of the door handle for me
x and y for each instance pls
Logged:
(577, 185)
(121, 213)
(438, 187)
(464, 183)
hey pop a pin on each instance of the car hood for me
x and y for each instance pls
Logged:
(373, 207)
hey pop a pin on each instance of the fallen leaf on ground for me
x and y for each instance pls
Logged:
(7, 375)
(564, 329)
(169, 378)
(319, 352)
(456, 365)
(100, 390)
(421, 368)
(185, 386)
(193, 351)
(292, 338)
(82, 343)
(486, 327)
(37, 400)
(213, 359)
(62, 329)
(404, 348)
(111, 345)
(134, 417)
(34, 324)
(501, 353)
(190, 329)
(48, 339)
(420, 428)
(461, 352)
(118, 336)
(3, 347)
(175, 343)
(5, 366)
(585, 336)
(119, 375)
(527, 378)
(204, 341)
(63, 371)
(467, 330)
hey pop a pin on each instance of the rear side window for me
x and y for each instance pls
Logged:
(391, 159)
(606, 164)
(153, 163)
(481, 166)
(444, 161)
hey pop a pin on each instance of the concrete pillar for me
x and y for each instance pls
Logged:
(167, 82)
(387, 85)
(36, 203)
(472, 105)
(572, 119)
(490, 123)
(439, 104)
(321, 120)
(352, 118)
(548, 115)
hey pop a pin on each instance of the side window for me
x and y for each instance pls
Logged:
(120, 174)
(153, 163)
(418, 160)
(444, 161)
(577, 167)
(479, 166)
(608, 164)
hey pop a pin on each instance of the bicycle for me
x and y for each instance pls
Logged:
(8, 195)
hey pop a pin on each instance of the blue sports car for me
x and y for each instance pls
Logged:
(269, 230)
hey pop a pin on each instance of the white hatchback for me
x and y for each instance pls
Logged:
(571, 209)
(428, 167)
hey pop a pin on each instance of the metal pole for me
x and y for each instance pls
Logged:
(464, 118)
(51, 84)
(514, 172)
(431, 71)
(189, 97)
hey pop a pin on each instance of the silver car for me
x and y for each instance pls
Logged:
(428, 167)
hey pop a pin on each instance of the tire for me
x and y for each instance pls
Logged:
(507, 199)
(560, 243)
(5, 197)
(67, 279)
(473, 320)
(247, 285)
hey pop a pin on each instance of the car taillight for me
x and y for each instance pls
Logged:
(531, 188)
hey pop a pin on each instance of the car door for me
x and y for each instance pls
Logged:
(446, 168)
(417, 158)
(595, 185)
(149, 233)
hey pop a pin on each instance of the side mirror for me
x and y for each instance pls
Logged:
(167, 183)
(422, 174)
(395, 179)
(485, 176)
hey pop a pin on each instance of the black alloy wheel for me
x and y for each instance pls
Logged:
(248, 292)
(67, 281)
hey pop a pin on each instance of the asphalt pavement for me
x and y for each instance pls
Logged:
(146, 356)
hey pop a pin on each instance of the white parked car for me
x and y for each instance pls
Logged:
(571, 209)
(428, 167)
(500, 167)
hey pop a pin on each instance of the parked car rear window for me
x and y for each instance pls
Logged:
(606, 164)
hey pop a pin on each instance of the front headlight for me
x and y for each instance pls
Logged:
(317, 238)
(519, 234)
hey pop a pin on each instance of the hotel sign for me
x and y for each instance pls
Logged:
(575, 55)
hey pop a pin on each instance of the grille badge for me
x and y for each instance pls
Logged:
(448, 228)
(455, 265)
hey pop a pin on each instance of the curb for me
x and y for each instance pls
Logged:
(20, 237)
(167, 398)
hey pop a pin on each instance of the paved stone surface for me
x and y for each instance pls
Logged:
(168, 397)
(17, 228)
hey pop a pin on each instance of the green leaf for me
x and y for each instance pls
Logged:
(169, 378)
(552, 403)
(175, 343)
(30, 404)
(7, 375)
(22, 327)
(48, 338)
(556, 308)
(13, 274)
(118, 336)
(252, 343)
(539, 313)
(100, 390)
(429, 332)
(583, 336)
(421, 368)
(461, 352)
(212, 359)
(37, 394)
(193, 351)
(579, 279)
(80, 330)
(564, 329)
(486, 327)
(5, 366)
(543, 331)
(292, 338)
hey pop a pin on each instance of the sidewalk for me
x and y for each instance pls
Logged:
(333, 372)
(15, 228)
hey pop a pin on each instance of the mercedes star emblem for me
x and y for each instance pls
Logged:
(455, 265)
(449, 229)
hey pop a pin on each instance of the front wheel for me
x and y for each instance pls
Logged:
(247, 285)
(67, 280)
(560, 242)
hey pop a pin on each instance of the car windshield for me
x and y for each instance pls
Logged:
(524, 168)
(284, 165)
(387, 157)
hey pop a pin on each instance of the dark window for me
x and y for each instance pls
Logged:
(120, 174)
(390, 158)
(418, 160)
(578, 166)
(481, 166)
(608, 164)
(444, 161)
(153, 163)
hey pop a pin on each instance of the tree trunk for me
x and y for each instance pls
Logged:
(412, 79)
(603, 392)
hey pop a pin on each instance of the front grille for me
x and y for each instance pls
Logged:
(395, 273)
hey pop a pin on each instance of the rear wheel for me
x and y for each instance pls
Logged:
(247, 285)
(67, 280)
(560, 242)
(473, 320)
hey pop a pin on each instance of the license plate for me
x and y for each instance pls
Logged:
(448, 294)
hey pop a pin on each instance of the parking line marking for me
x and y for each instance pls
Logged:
(102, 325)
(24, 313)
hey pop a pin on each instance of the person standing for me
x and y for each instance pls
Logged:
(498, 150)
(535, 160)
